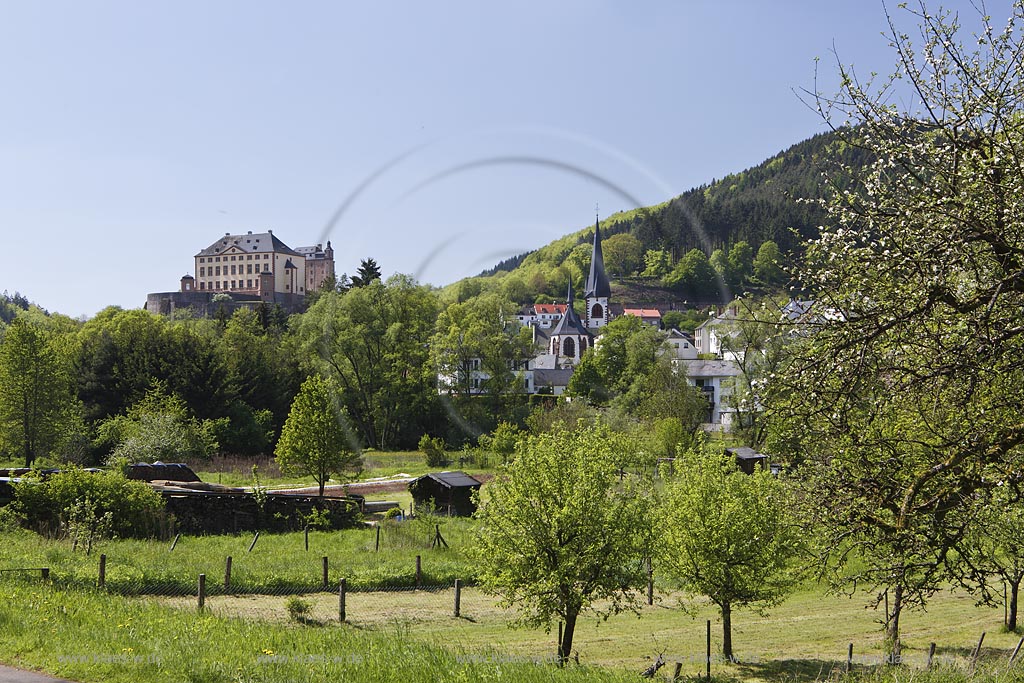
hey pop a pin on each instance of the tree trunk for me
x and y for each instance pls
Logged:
(322, 482)
(727, 631)
(565, 647)
(892, 627)
(1011, 615)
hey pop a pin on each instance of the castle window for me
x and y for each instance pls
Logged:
(218, 270)
(202, 271)
(248, 283)
(218, 259)
(249, 269)
(233, 269)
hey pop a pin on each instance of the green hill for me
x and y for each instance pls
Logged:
(756, 205)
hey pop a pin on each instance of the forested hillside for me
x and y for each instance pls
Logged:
(770, 203)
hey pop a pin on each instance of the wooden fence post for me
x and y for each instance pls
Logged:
(931, 655)
(977, 651)
(175, 541)
(1016, 651)
(650, 582)
(341, 600)
(679, 668)
(202, 591)
(376, 548)
(458, 597)
(709, 651)
(419, 574)
(306, 531)
(849, 658)
(46, 573)
(103, 571)
(325, 573)
(227, 573)
(253, 544)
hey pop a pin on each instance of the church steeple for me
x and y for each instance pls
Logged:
(598, 288)
(570, 338)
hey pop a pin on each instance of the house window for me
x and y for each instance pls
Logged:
(249, 257)
(233, 269)
(218, 270)
(202, 271)
(202, 285)
(249, 269)
(232, 284)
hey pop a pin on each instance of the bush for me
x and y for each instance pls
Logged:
(136, 509)
(433, 449)
(298, 609)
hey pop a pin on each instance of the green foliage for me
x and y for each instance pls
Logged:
(83, 524)
(505, 440)
(726, 535)
(560, 535)
(298, 609)
(158, 427)
(433, 450)
(694, 276)
(373, 341)
(38, 411)
(136, 510)
(316, 439)
(767, 268)
(623, 254)
(906, 400)
(367, 274)
(657, 263)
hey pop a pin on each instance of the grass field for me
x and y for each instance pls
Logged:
(278, 563)
(806, 638)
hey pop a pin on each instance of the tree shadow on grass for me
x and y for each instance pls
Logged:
(788, 670)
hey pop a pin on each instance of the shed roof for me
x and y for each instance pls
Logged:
(745, 453)
(456, 479)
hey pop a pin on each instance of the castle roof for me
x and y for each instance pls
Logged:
(597, 281)
(570, 323)
(249, 242)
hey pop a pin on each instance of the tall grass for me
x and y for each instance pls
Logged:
(278, 563)
(92, 636)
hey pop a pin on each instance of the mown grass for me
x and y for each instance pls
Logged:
(805, 639)
(278, 563)
(90, 636)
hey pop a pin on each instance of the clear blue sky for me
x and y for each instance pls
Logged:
(133, 134)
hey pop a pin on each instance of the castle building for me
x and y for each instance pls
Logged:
(251, 269)
(258, 264)
(319, 265)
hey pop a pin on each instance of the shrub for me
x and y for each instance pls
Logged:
(136, 509)
(298, 609)
(433, 449)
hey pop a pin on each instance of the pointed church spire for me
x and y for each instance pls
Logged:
(597, 281)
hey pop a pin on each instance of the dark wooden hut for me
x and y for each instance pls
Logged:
(747, 458)
(450, 493)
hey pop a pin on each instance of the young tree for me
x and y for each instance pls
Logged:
(766, 264)
(315, 440)
(727, 535)
(994, 551)
(560, 534)
(36, 402)
(912, 390)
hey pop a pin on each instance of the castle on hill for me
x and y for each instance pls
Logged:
(244, 271)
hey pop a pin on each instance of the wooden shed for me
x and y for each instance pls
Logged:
(747, 458)
(450, 493)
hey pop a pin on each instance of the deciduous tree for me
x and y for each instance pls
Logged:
(727, 535)
(316, 441)
(909, 395)
(560, 535)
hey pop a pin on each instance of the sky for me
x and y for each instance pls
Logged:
(437, 138)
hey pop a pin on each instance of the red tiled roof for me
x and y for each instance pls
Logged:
(643, 312)
(541, 309)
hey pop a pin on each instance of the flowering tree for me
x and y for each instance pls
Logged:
(908, 398)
